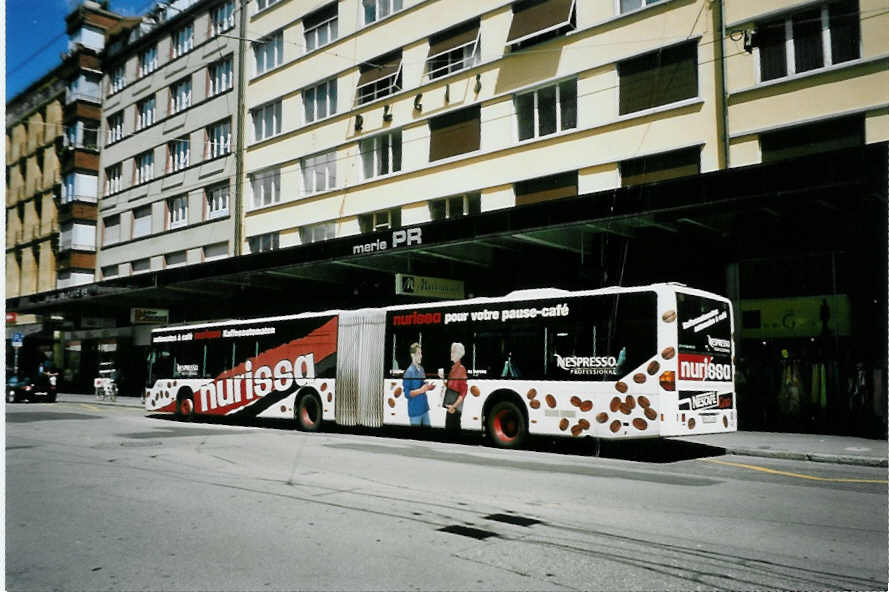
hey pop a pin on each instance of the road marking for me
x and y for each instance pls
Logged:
(93, 407)
(788, 474)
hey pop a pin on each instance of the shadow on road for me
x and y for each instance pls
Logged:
(655, 450)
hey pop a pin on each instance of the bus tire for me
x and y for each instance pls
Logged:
(185, 407)
(308, 412)
(506, 425)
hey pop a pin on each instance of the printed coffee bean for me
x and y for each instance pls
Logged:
(650, 413)
(563, 425)
(668, 353)
(323, 386)
(630, 401)
(602, 417)
(621, 386)
(586, 406)
(640, 424)
(639, 378)
(691, 423)
(532, 393)
(615, 404)
(575, 400)
(653, 367)
(551, 401)
(474, 390)
(643, 401)
(615, 426)
(725, 421)
(625, 409)
(392, 403)
(669, 316)
(283, 408)
(329, 397)
(575, 431)
(535, 404)
(668, 380)
(583, 423)
(397, 392)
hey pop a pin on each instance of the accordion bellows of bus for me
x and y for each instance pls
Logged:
(615, 363)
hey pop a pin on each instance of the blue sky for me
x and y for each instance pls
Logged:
(35, 36)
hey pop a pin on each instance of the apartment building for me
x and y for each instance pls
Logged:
(169, 137)
(370, 114)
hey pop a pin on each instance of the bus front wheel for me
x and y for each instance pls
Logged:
(308, 413)
(506, 425)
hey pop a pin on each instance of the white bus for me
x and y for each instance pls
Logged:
(614, 363)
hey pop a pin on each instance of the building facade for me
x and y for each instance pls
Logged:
(168, 158)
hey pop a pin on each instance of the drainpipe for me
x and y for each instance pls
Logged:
(239, 149)
(720, 47)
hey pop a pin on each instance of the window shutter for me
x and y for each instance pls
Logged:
(659, 78)
(455, 133)
(546, 188)
(453, 38)
(537, 17)
(660, 167)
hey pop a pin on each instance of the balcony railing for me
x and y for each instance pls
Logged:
(81, 95)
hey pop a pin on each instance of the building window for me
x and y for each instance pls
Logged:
(266, 187)
(658, 78)
(145, 112)
(320, 27)
(381, 220)
(111, 234)
(453, 50)
(117, 79)
(457, 206)
(216, 251)
(808, 40)
(178, 154)
(546, 188)
(263, 242)
(220, 75)
(180, 95)
(144, 167)
(268, 53)
(319, 172)
(217, 200)
(455, 133)
(222, 18)
(379, 78)
(812, 138)
(536, 21)
(375, 10)
(141, 265)
(320, 101)
(110, 271)
(176, 259)
(177, 211)
(147, 61)
(547, 110)
(142, 221)
(79, 186)
(380, 155)
(112, 179)
(182, 41)
(660, 167)
(263, 4)
(115, 128)
(219, 139)
(266, 121)
(631, 5)
(314, 233)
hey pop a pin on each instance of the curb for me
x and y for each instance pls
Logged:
(842, 459)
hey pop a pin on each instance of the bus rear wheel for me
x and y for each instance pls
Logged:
(185, 409)
(506, 425)
(308, 413)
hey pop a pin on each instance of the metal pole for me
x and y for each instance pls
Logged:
(239, 150)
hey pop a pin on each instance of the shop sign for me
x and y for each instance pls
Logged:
(147, 316)
(11, 317)
(428, 287)
(804, 316)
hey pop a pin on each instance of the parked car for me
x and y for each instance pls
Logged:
(23, 388)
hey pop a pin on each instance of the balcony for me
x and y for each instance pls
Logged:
(89, 96)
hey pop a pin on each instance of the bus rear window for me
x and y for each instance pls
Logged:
(704, 325)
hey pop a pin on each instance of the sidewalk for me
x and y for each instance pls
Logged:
(812, 447)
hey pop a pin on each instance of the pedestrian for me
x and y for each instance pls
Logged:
(415, 388)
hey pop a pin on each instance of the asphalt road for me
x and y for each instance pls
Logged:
(105, 498)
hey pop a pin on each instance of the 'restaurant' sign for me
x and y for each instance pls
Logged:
(147, 316)
(428, 287)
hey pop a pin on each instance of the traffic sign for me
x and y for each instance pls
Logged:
(17, 339)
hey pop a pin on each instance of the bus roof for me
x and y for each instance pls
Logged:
(517, 295)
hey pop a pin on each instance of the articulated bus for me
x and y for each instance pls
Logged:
(613, 363)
